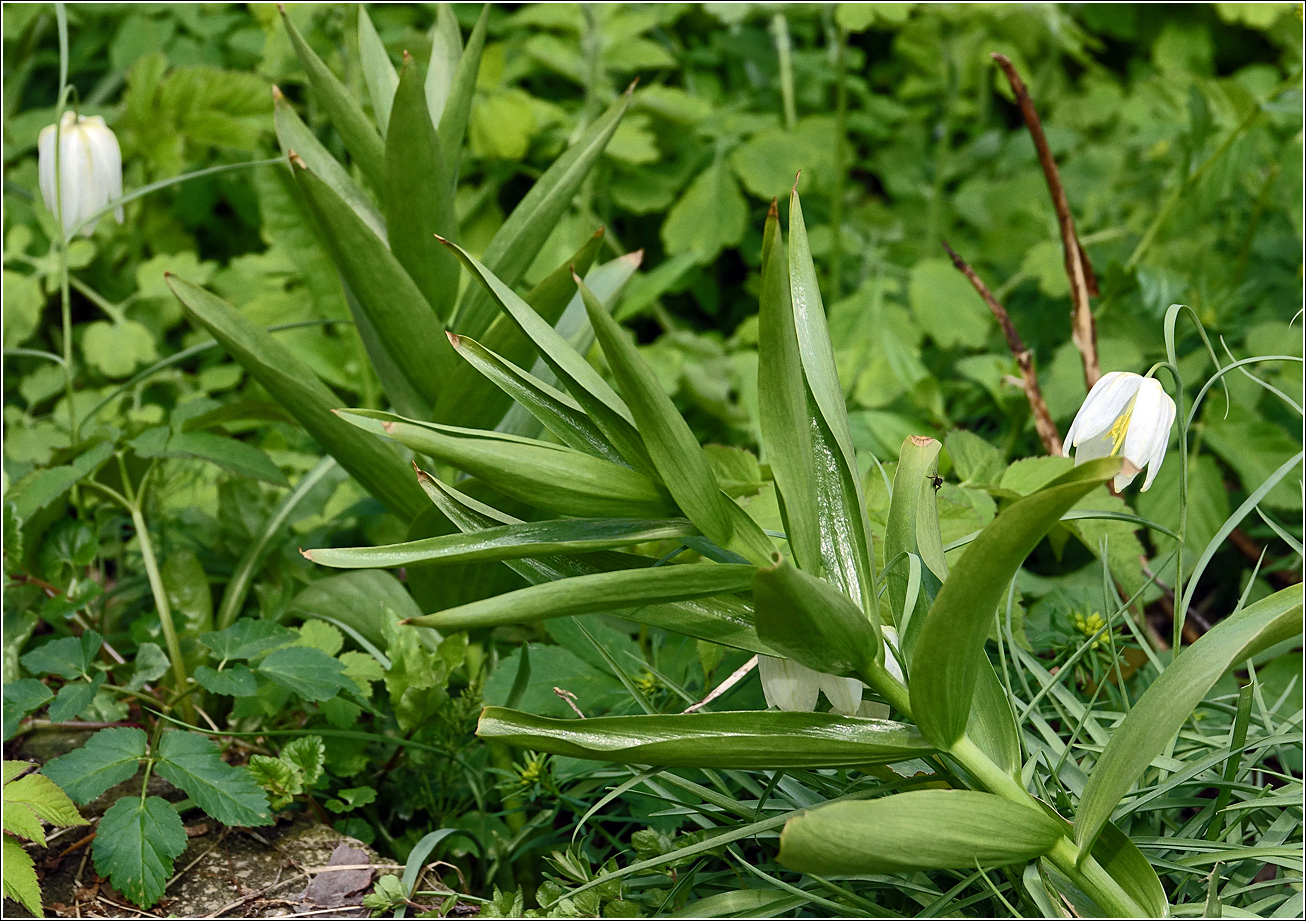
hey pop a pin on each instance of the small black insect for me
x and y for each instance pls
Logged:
(937, 481)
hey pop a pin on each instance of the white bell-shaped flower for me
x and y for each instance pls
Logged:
(90, 169)
(1124, 414)
(790, 685)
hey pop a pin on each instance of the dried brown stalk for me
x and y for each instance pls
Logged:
(1043, 424)
(1083, 283)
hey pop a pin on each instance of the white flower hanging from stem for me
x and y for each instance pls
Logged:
(1126, 415)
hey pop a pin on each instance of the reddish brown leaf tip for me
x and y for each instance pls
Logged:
(277, 95)
(774, 210)
(454, 339)
(306, 554)
(794, 190)
(296, 160)
(408, 58)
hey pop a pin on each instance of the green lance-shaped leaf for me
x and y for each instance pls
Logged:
(472, 400)
(814, 623)
(508, 542)
(558, 412)
(671, 445)
(547, 476)
(517, 243)
(841, 509)
(418, 205)
(404, 322)
(1167, 704)
(135, 845)
(452, 120)
(783, 403)
(731, 740)
(347, 116)
(446, 51)
(724, 619)
(949, 653)
(109, 757)
(585, 384)
(293, 384)
(295, 137)
(378, 72)
(605, 592)
(192, 763)
(1116, 854)
(918, 830)
(913, 527)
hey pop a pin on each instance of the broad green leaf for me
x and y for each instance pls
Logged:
(446, 52)
(294, 385)
(710, 216)
(725, 619)
(361, 601)
(671, 444)
(514, 541)
(606, 592)
(812, 622)
(347, 116)
(189, 594)
(247, 639)
(307, 755)
(233, 681)
(73, 698)
(471, 399)
(20, 882)
(192, 763)
(297, 138)
(544, 475)
(913, 527)
(518, 241)
(69, 658)
(841, 510)
(452, 121)
(109, 757)
(27, 695)
(378, 73)
(405, 324)
(559, 413)
(45, 486)
(418, 204)
(135, 845)
(755, 739)
(1168, 703)
(946, 664)
(237, 456)
(310, 673)
(914, 831)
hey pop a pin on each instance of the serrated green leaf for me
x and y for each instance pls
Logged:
(44, 799)
(306, 754)
(20, 883)
(151, 663)
(233, 681)
(135, 845)
(247, 639)
(109, 757)
(191, 762)
(321, 635)
(310, 673)
(22, 697)
(69, 658)
(73, 698)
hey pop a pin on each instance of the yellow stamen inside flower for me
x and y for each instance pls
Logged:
(1119, 429)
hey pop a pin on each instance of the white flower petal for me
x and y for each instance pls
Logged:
(1163, 435)
(844, 694)
(787, 684)
(1103, 405)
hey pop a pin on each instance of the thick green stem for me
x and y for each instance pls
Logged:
(165, 612)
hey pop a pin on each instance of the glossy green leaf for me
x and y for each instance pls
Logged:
(517, 243)
(347, 116)
(294, 385)
(192, 763)
(1168, 703)
(378, 72)
(755, 739)
(418, 204)
(404, 322)
(547, 476)
(949, 653)
(472, 400)
(135, 845)
(724, 619)
(812, 622)
(913, 527)
(514, 541)
(913, 831)
(606, 592)
(452, 121)
(109, 757)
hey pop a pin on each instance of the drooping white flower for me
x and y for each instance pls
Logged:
(790, 685)
(1124, 414)
(90, 169)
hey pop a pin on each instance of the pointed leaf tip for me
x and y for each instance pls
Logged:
(454, 339)
(774, 210)
(797, 176)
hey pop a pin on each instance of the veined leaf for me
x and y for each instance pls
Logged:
(518, 241)
(21, 697)
(458, 104)
(247, 639)
(913, 831)
(109, 757)
(405, 323)
(418, 203)
(724, 619)
(947, 660)
(33, 799)
(192, 763)
(135, 845)
(20, 882)
(1153, 722)
(605, 592)
(513, 541)
(754, 739)
(310, 673)
(547, 476)
(347, 116)
(294, 385)
(378, 73)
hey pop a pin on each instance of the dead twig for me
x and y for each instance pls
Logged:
(1083, 283)
(1043, 424)
(735, 678)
